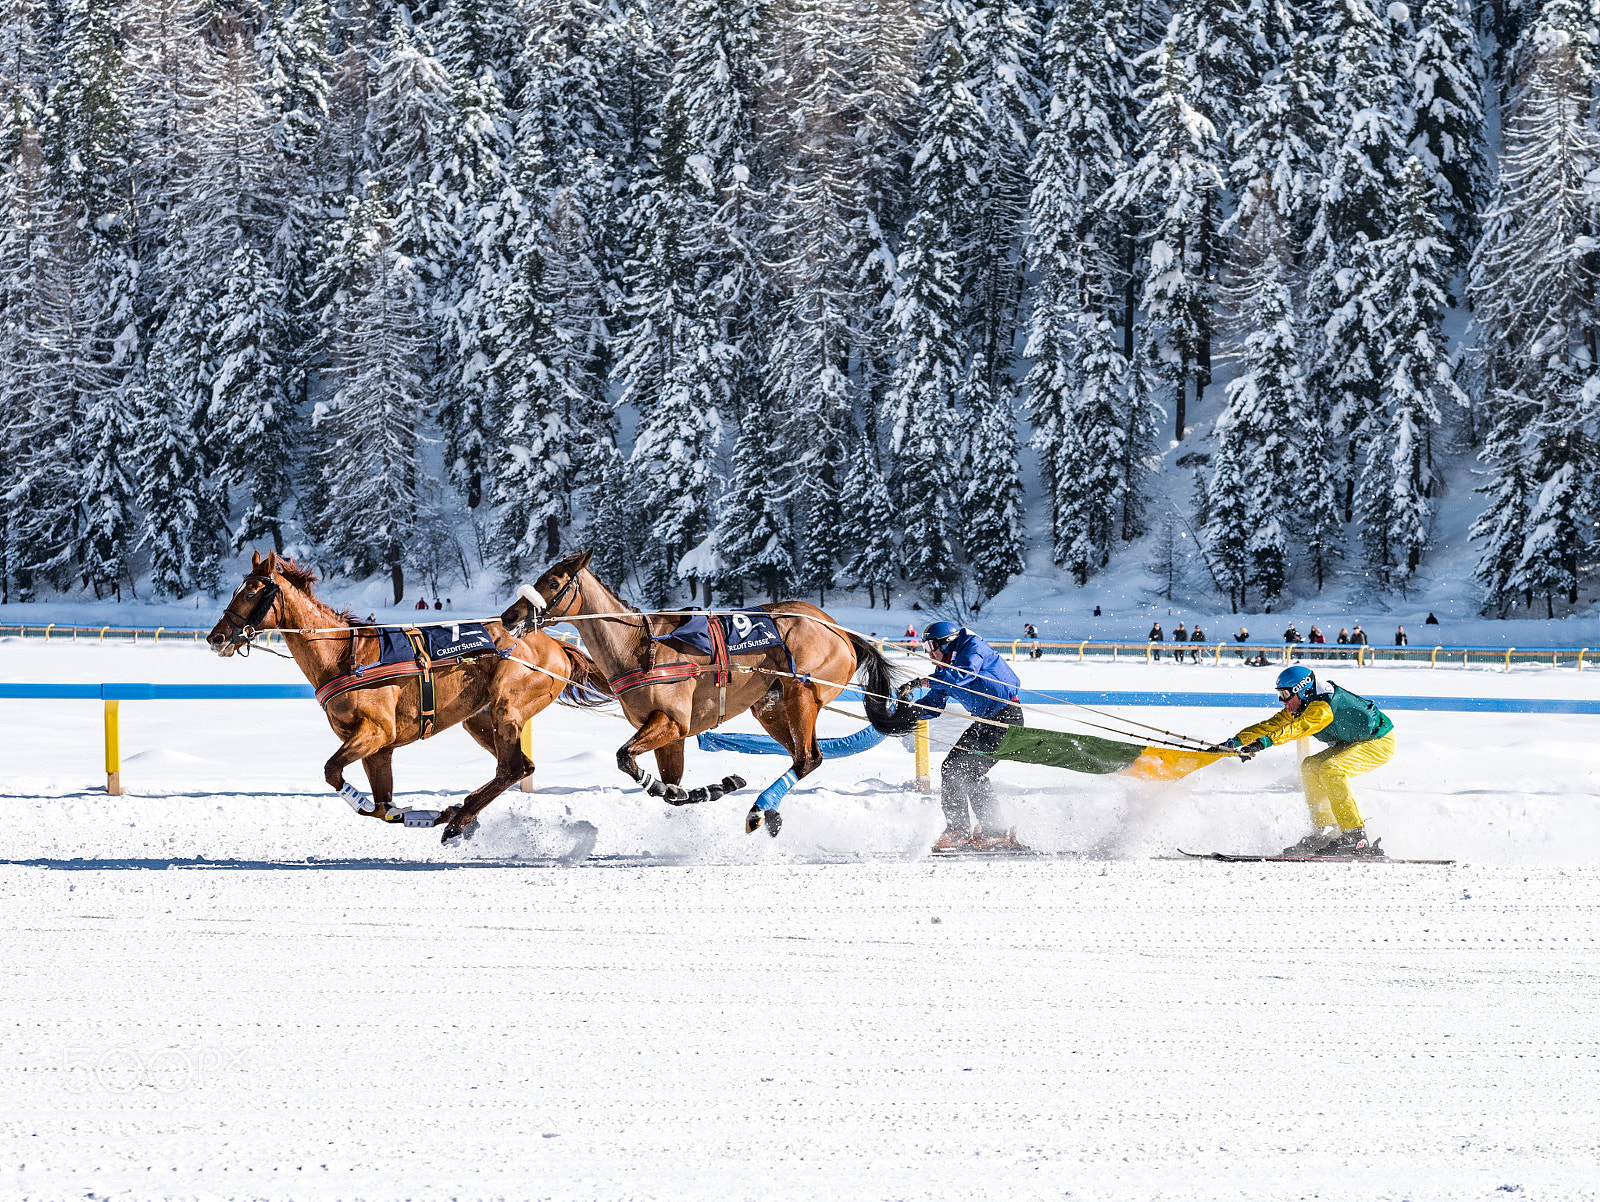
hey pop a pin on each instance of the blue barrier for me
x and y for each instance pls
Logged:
(832, 749)
(132, 691)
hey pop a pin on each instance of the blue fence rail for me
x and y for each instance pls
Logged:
(113, 693)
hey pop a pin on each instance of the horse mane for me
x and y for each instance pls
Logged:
(304, 577)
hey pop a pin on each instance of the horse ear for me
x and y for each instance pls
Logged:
(583, 562)
(255, 560)
(272, 561)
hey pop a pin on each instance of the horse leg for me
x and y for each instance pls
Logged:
(657, 732)
(380, 775)
(790, 717)
(498, 727)
(367, 740)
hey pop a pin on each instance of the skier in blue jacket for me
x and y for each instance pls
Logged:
(972, 673)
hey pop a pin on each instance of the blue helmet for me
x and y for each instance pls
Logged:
(940, 632)
(1299, 682)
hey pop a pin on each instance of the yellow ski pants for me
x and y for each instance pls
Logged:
(1327, 780)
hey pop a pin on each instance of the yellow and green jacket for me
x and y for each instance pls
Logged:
(1338, 718)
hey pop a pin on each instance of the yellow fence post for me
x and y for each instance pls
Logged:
(525, 740)
(1509, 650)
(1220, 646)
(1581, 652)
(159, 629)
(113, 751)
(1014, 643)
(1433, 660)
(1081, 646)
(47, 632)
(924, 775)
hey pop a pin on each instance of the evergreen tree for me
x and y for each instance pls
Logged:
(992, 500)
(927, 376)
(752, 533)
(1394, 492)
(364, 492)
(1169, 186)
(869, 524)
(1446, 130)
(1261, 426)
(1532, 282)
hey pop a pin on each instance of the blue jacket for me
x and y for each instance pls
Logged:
(976, 677)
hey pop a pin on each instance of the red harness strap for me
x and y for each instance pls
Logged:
(421, 666)
(672, 673)
(665, 674)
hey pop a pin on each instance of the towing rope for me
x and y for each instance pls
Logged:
(1127, 726)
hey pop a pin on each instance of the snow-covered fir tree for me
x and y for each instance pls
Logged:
(1397, 482)
(1171, 187)
(869, 524)
(753, 535)
(1531, 281)
(364, 487)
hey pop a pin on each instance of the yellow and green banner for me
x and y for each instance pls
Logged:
(1088, 753)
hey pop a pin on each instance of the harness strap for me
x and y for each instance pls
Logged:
(427, 706)
(719, 660)
(340, 685)
(664, 674)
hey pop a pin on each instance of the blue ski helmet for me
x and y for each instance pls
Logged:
(1299, 682)
(940, 632)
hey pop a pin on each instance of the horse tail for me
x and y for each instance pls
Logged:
(879, 677)
(589, 688)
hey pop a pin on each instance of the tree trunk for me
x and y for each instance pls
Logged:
(552, 537)
(1181, 405)
(397, 576)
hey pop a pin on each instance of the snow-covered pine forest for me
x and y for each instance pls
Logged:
(760, 297)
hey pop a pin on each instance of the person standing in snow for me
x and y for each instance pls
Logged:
(1360, 737)
(986, 687)
(1196, 636)
(1155, 636)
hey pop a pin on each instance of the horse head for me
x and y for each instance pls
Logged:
(251, 608)
(554, 596)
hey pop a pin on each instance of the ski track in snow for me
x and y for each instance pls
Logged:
(693, 1013)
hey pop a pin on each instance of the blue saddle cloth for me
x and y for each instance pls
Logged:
(746, 630)
(445, 643)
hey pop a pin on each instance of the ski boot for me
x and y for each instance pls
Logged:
(1314, 844)
(1354, 843)
(954, 839)
(1004, 841)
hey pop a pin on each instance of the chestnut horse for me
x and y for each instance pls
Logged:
(664, 714)
(491, 697)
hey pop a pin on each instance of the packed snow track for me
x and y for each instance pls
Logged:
(225, 985)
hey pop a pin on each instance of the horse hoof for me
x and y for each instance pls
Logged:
(752, 821)
(450, 832)
(732, 784)
(676, 795)
(774, 822)
(699, 797)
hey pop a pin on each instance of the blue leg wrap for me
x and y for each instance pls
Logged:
(776, 791)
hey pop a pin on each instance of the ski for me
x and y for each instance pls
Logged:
(1228, 858)
(1003, 853)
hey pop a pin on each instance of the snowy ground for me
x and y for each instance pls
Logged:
(693, 1013)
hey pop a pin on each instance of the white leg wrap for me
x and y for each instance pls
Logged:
(359, 801)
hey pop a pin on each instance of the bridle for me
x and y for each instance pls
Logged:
(243, 630)
(544, 611)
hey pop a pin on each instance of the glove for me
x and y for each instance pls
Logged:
(1232, 744)
(1250, 749)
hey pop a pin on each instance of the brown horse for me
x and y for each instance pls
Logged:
(491, 697)
(784, 701)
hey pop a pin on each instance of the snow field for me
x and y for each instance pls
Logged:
(759, 1018)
